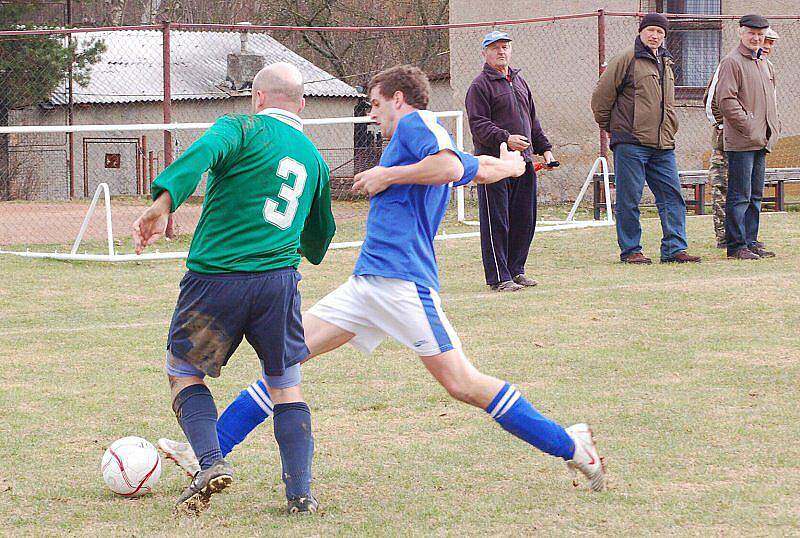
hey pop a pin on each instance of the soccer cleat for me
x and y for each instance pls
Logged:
(586, 458)
(197, 496)
(302, 505)
(180, 453)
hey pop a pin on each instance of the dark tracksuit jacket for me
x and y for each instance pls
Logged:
(498, 107)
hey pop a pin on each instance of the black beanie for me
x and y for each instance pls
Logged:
(654, 19)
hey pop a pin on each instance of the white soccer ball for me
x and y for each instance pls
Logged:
(131, 467)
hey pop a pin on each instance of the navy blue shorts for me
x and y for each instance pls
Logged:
(214, 312)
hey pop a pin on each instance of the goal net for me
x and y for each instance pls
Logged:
(79, 201)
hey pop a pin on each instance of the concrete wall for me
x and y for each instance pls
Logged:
(560, 62)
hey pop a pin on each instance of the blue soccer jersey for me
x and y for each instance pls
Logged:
(403, 219)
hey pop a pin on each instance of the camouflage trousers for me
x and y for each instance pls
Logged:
(718, 177)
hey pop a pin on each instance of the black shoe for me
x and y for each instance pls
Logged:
(197, 496)
(302, 505)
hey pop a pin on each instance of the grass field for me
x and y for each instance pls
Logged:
(689, 375)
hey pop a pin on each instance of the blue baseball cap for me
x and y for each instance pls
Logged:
(496, 35)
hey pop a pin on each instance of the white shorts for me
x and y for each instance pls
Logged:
(374, 307)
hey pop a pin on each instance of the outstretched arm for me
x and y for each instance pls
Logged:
(437, 169)
(441, 168)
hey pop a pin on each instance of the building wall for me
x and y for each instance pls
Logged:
(560, 62)
(42, 159)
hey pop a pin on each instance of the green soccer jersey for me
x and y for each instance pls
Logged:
(268, 194)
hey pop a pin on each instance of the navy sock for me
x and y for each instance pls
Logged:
(252, 407)
(296, 443)
(517, 416)
(197, 414)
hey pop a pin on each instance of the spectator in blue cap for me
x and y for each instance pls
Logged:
(500, 109)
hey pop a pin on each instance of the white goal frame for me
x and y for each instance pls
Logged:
(102, 189)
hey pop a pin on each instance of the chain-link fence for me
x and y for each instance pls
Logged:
(188, 73)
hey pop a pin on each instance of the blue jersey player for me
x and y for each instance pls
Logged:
(394, 288)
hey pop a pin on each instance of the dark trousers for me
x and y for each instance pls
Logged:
(746, 171)
(507, 211)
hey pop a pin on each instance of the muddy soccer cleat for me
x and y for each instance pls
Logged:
(197, 496)
(586, 458)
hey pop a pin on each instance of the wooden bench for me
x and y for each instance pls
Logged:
(695, 180)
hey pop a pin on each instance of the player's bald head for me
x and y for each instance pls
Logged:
(278, 85)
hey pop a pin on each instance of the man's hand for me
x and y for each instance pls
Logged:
(492, 170)
(372, 181)
(548, 157)
(513, 161)
(518, 143)
(149, 227)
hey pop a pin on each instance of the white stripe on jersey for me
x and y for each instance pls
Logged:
(443, 139)
(711, 90)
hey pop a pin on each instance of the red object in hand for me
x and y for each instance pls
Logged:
(545, 166)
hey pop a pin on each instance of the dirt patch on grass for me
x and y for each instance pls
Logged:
(40, 223)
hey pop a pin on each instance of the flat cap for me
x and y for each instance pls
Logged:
(754, 20)
(771, 34)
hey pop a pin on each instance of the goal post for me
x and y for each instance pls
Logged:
(103, 236)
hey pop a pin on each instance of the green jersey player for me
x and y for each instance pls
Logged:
(267, 199)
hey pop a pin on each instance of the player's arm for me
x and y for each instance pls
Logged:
(180, 179)
(446, 166)
(437, 169)
(491, 169)
(149, 227)
(319, 226)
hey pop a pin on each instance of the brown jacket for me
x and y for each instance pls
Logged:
(746, 96)
(634, 99)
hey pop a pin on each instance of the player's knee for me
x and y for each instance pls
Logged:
(178, 383)
(463, 390)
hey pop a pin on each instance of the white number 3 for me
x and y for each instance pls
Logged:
(284, 219)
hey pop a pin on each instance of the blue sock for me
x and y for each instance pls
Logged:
(197, 414)
(517, 416)
(293, 434)
(252, 407)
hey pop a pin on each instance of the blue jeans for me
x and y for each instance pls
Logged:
(745, 190)
(633, 165)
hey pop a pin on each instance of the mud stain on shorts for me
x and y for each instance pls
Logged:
(210, 344)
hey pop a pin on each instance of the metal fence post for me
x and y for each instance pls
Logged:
(167, 92)
(601, 62)
(170, 232)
